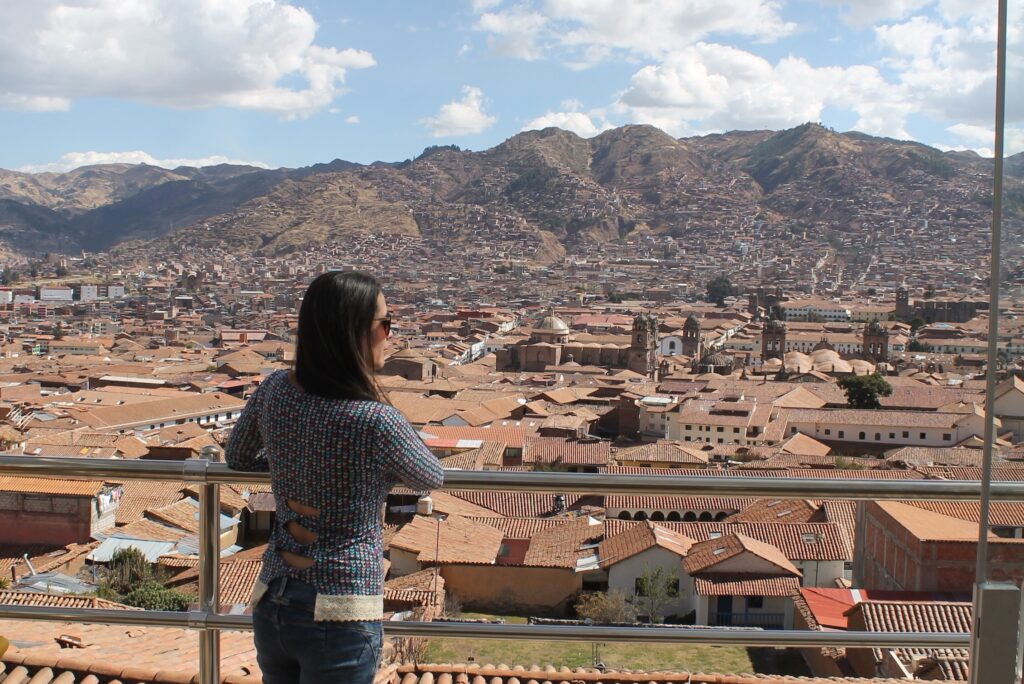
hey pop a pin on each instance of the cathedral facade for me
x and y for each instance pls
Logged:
(550, 345)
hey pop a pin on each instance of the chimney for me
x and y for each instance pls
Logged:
(559, 505)
(425, 505)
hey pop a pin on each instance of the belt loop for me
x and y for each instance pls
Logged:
(282, 584)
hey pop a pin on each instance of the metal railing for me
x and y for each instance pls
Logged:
(209, 622)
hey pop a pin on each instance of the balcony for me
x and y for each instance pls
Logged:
(997, 640)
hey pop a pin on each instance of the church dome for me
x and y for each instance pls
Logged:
(715, 360)
(691, 323)
(552, 323)
(775, 325)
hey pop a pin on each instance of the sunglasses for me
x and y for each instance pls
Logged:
(386, 324)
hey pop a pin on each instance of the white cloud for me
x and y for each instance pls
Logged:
(352, 119)
(73, 160)
(464, 49)
(514, 33)
(461, 117)
(579, 123)
(590, 31)
(176, 53)
(484, 5)
(868, 12)
(710, 87)
(981, 139)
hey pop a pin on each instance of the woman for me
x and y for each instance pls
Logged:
(334, 449)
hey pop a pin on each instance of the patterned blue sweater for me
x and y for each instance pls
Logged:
(341, 457)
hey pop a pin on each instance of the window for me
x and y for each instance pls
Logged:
(756, 602)
(638, 587)
(946, 437)
(842, 434)
(878, 436)
(892, 435)
(828, 431)
(924, 435)
(906, 435)
(689, 427)
(736, 430)
(863, 436)
(721, 429)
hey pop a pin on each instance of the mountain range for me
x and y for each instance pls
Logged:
(565, 189)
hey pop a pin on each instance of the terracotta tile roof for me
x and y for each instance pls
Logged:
(138, 495)
(914, 616)
(921, 616)
(44, 557)
(503, 674)
(937, 456)
(512, 436)
(705, 555)
(662, 451)
(638, 538)
(60, 487)
(1015, 474)
(448, 504)
(560, 546)
(1001, 513)
(457, 539)
(567, 451)
(927, 525)
(488, 455)
(519, 528)
(798, 541)
(32, 598)
(238, 575)
(780, 510)
(144, 655)
(148, 530)
(724, 584)
(423, 588)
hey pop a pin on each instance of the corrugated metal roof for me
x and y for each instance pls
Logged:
(152, 550)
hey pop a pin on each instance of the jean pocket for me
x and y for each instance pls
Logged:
(349, 648)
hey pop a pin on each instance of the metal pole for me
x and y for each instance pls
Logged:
(996, 633)
(209, 572)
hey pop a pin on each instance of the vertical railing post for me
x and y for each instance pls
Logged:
(209, 572)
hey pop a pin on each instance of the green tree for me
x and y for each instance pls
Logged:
(863, 391)
(916, 324)
(127, 570)
(918, 346)
(152, 595)
(606, 607)
(655, 588)
(719, 288)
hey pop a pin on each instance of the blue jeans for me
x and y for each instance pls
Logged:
(292, 648)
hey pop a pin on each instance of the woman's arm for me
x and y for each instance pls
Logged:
(245, 448)
(406, 458)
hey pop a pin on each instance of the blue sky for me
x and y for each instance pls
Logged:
(292, 84)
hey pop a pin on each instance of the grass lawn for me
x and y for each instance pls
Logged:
(619, 656)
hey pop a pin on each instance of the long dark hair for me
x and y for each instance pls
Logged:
(332, 354)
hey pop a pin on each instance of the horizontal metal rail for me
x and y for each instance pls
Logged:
(475, 630)
(202, 471)
(209, 473)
